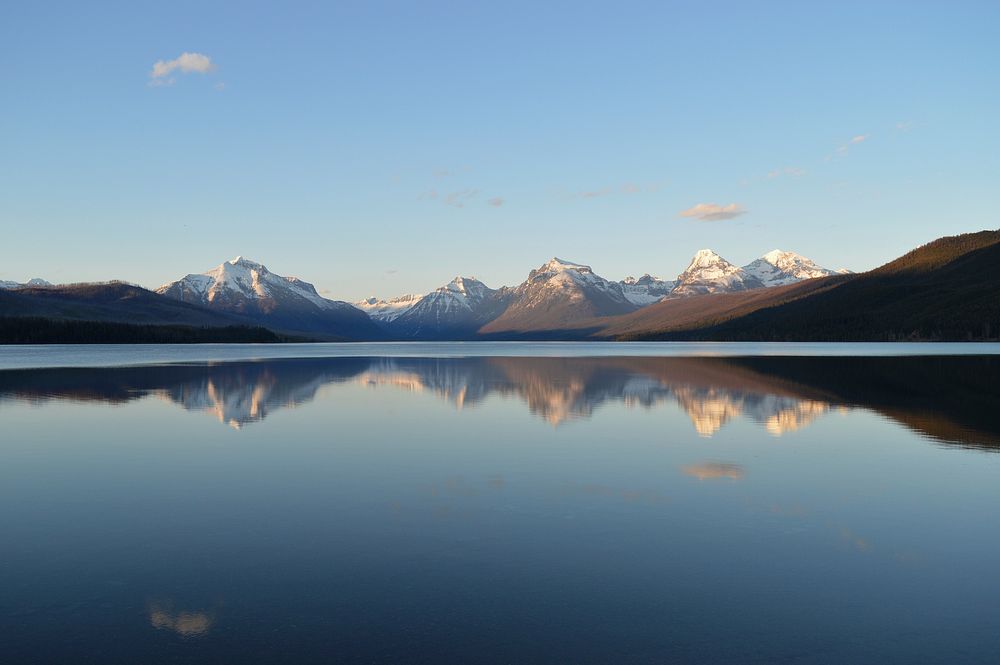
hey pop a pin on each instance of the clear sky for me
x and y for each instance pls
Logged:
(381, 148)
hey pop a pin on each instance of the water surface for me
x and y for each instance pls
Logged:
(107, 355)
(502, 508)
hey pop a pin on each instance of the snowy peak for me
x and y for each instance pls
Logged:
(34, 281)
(242, 284)
(557, 293)
(246, 263)
(464, 285)
(461, 292)
(777, 268)
(708, 264)
(645, 279)
(710, 273)
(556, 264)
(557, 267)
(776, 257)
(458, 308)
(248, 290)
(646, 290)
(388, 310)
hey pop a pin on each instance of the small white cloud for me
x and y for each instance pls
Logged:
(905, 126)
(855, 140)
(791, 171)
(496, 201)
(220, 86)
(185, 63)
(713, 212)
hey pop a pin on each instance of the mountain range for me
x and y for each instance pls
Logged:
(561, 293)
(37, 281)
(946, 289)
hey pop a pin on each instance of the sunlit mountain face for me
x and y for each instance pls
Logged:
(948, 399)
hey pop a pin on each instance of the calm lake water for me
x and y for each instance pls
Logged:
(508, 504)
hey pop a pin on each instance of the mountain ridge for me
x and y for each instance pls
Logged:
(247, 288)
(945, 289)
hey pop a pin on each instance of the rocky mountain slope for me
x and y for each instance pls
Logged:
(948, 289)
(249, 289)
(454, 311)
(559, 293)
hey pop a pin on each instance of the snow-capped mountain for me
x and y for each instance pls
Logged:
(388, 310)
(710, 273)
(777, 268)
(646, 290)
(458, 308)
(245, 287)
(36, 281)
(558, 293)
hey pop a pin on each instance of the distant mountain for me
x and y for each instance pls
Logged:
(778, 268)
(456, 310)
(249, 289)
(559, 293)
(646, 290)
(387, 310)
(710, 273)
(948, 289)
(36, 281)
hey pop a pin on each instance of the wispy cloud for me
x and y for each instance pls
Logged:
(905, 125)
(855, 140)
(790, 171)
(713, 212)
(185, 63)
(460, 198)
(624, 188)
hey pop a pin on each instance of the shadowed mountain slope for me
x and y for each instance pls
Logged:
(113, 301)
(558, 295)
(948, 289)
(248, 289)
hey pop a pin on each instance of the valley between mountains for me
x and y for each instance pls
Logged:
(948, 289)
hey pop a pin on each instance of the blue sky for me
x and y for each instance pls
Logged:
(380, 148)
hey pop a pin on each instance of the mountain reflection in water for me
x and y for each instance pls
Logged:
(947, 399)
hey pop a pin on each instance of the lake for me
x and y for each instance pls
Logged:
(500, 503)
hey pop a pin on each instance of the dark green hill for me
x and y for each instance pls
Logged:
(948, 289)
(115, 312)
